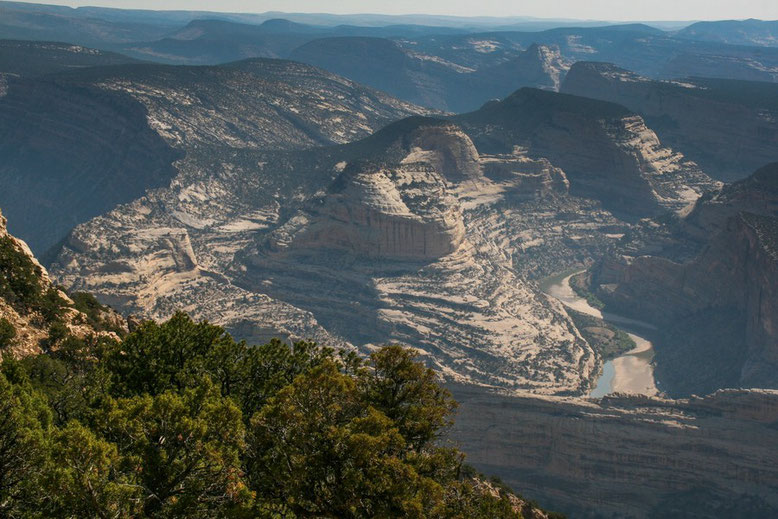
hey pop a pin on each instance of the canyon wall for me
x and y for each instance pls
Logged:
(607, 152)
(629, 456)
(718, 311)
(730, 128)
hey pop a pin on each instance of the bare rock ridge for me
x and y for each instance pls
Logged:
(607, 152)
(318, 233)
(431, 80)
(383, 254)
(377, 214)
(629, 456)
(77, 144)
(36, 58)
(729, 127)
(721, 306)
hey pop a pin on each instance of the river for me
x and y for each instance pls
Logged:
(632, 372)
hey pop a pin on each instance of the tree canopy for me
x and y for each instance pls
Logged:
(180, 420)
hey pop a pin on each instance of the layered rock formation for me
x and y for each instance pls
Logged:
(540, 66)
(75, 145)
(729, 128)
(315, 243)
(607, 152)
(624, 456)
(73, 153)
(424, 233)
(394, 253)
(721, 307)
(403, 213)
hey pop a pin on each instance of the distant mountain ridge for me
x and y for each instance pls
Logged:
(737, 32)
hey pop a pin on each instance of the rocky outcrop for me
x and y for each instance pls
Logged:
(447, 149)
(607, 152)
(720, 307)
(24, 284)
(403, 213)
(636, 457)
(729, 128)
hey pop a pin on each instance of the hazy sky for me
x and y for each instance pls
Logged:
(581, 9)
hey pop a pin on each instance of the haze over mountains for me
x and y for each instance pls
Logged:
(363, 181)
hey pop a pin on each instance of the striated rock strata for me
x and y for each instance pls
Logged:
(429, 232)
(629, 456)
(76, 144)
(606, 151)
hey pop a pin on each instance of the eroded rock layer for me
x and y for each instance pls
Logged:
(607, 152)
(635, 457)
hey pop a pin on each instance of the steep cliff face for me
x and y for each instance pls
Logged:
(607, 152)
(722, 306)
(623, 456)
(729, 128)
(540, 66)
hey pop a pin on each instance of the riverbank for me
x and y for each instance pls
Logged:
(632, 372)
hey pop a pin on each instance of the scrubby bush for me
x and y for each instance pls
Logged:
(7, 333)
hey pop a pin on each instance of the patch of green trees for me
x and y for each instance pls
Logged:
(180, 420)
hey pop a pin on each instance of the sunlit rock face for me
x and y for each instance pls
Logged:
(401, 213)
(447, 149)
(429, 232)
(413, 246)
(607, 152)
(76, 145)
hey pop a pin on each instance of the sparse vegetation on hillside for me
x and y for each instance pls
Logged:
(7, 332)
(608, 340)
(180, 420)
(21, 286)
